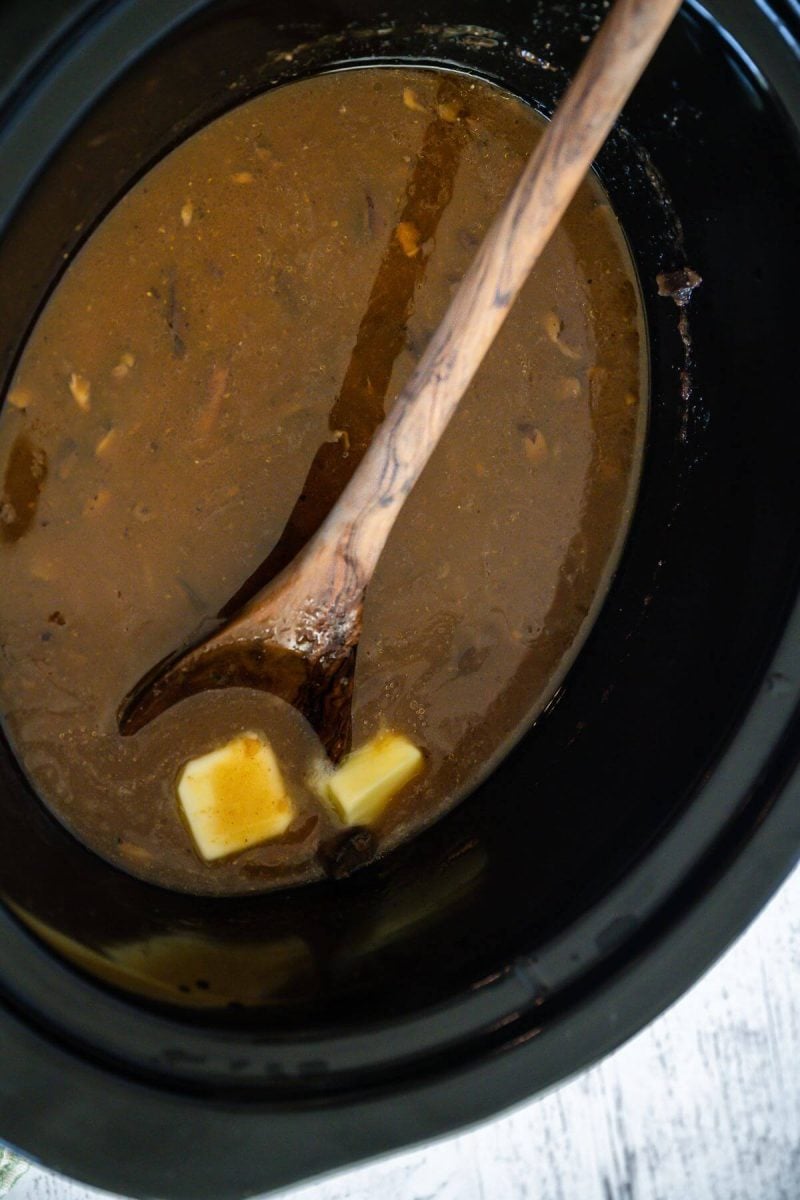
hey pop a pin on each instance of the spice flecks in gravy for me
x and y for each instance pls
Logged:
(201, 384)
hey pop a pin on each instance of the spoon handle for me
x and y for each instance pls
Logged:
(348, 545)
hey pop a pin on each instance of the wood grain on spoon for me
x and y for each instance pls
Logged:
(298, 636)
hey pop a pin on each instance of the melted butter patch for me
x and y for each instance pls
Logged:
(234, 797)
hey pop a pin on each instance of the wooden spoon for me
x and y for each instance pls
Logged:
(298, 636)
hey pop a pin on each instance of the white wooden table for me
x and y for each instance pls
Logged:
(702, 1105)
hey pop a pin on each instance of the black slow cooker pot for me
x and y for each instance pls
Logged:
(650, 812)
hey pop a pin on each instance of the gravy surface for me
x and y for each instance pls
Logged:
(189, 396)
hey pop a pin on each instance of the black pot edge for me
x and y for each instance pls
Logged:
(146, 1133)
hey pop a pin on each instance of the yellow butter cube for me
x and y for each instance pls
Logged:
(363, 785)
(234, 797)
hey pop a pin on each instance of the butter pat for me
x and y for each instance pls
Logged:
(234, 797)
(363, 785)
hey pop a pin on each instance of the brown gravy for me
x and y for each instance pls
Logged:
(228, 335)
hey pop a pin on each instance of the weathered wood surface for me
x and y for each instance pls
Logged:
(702, 1105)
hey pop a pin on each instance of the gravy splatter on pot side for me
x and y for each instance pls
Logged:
(205, 377)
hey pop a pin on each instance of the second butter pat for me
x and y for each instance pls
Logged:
(368, 778)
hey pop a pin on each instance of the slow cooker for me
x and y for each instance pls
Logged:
(648, 814)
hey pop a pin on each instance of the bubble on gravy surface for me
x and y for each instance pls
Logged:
(288, 261)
